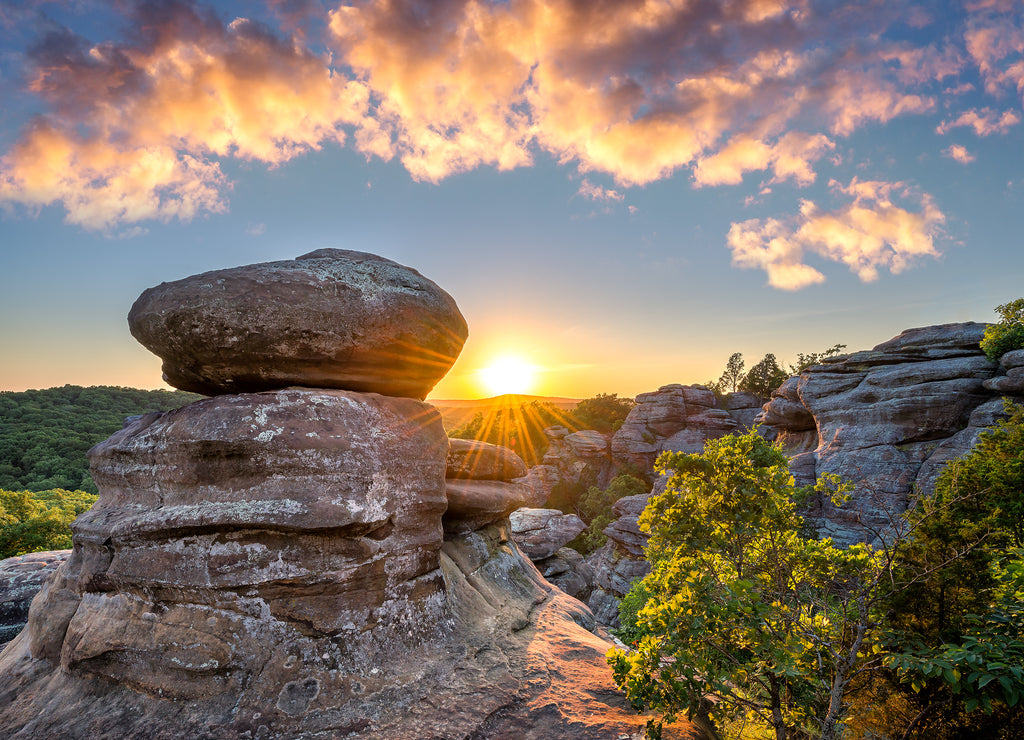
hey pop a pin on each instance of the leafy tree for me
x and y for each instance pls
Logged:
(729, 381)
(1008, 334)
(595, 508)
(45, 434)
(814, 358)
(739, 605)
(605, 412)
(32, 522)
(764, 377)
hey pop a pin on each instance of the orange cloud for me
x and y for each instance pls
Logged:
(135, 128)
(635, 89)
(869, 233)
(596, 192)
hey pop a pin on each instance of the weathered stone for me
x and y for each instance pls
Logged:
(888, 420)
(475, 503)
(470, 459)
(676, 417)
(1013, 358)
(587, 443)
(332, 319)
(21, 578)
(540, 533)
(569, 571)
(540, 481)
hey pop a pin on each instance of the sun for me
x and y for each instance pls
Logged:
(508, 374)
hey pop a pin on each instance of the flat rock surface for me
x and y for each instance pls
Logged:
(329, 319)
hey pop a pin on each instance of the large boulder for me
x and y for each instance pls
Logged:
(474, 460)
(540, 533)
(330, 319)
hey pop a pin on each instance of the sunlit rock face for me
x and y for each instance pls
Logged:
(886, 420)
(303, 562)
(329, 319)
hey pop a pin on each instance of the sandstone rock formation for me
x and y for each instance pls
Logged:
(678, 418)
(620, 561)
(20, 580)
(330, 319)
(540, 533)
(303, 563)
(886, 419)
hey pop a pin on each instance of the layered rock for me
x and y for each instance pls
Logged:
(620, 562)
(21, 578)
(540, 533)
(332, 318)
(480, 485)
(886, 419)
(677, 418)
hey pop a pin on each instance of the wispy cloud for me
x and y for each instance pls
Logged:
(984, 121)
(596, 192)
(868, 233)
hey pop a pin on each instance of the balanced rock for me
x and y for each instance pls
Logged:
(330, 319)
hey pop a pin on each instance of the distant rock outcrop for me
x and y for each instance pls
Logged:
(678, 418)
(304, 562)
(339, 319)
(887, 419)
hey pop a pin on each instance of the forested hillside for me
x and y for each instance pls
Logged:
(44, 434)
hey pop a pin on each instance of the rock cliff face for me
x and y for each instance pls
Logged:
(20, 580)
(887, 419)
(303, 562)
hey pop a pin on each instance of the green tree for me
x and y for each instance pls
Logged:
(729, 381)
(764, 377)
(1008, 334)
(814, 358)
(36, 521)
(739, 605)
(605, 412)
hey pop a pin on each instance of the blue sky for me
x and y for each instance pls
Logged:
(622, 193)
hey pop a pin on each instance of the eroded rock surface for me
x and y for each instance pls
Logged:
(332, 318)
(540, 533)
(21, 578)
(886, 419)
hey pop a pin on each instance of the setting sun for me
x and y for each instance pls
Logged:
(508, 375)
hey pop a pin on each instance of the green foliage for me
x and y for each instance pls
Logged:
(1008, 334)
(764, 377)
(32, 522)
(604, 413)
(44, 434)
(729, 381)
(595, 508)
(956, 631)
(738, 604)
(518, 426)
(814, 358)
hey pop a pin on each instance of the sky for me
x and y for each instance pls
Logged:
(619, 194)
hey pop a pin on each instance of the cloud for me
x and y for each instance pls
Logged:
(637, 90)
(984, 121)
(868, 233)
(959, 153)
(596, 192)
(135, 129)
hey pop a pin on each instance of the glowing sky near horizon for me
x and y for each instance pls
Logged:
(619, 193)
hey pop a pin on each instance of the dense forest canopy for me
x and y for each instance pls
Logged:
(44, 434)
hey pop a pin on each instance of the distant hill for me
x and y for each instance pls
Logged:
(44, 434)
(457, 413)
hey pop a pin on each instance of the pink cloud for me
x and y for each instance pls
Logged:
(959, 153)
(984, 121)
(596, 192)
(868, 233)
